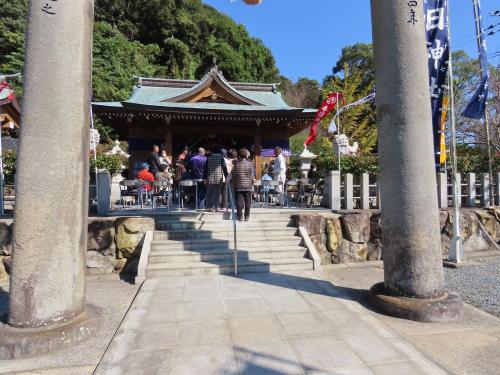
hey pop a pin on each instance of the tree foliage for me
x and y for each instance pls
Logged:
(466, 79)
(354, 76)
(162, 38)
(170, 38)
(116, 60)
(12, 30)
(305, 93)
(190, 35)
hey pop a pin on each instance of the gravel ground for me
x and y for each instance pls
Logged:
(477, 284)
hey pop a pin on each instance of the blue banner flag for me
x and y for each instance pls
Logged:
(476, 107)
(438, 47)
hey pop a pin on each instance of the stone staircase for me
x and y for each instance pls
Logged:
(187, 244)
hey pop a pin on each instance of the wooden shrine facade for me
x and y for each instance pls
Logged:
(208, 113)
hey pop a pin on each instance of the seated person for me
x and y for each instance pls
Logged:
(145, 175)
(164, 159)
(163, 174)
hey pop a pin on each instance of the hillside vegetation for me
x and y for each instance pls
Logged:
(162, 38)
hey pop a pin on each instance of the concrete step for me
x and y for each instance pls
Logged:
(226, 233)
(227, 267)
(196, 244)
(218, 216)
(294, 243)
(169, 225)
(183, 256)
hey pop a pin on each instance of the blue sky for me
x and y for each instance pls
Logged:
(307, 36)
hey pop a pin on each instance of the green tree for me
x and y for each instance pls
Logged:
(12, 30)
(170, 38)
(117, 60)
(466, 73)
(358, 123)
(354, 76)
(305, 93)
(191, 34)
(357, 57)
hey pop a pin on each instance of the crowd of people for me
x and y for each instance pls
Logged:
(212, 171)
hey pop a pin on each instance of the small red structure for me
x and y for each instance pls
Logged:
(10, 109)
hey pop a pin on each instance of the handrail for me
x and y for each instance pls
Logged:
(235, 247)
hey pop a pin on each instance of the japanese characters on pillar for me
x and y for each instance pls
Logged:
(413, 14)
(438, 46)
(50, 7)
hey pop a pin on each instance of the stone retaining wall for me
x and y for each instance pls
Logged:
(114, 244)
(356, 236)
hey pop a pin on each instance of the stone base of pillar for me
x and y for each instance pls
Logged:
(435, 310)
(29, 342)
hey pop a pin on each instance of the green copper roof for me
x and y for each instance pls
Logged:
(173, 94)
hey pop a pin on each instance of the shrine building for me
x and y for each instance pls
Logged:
(10, 108)
(213, 112)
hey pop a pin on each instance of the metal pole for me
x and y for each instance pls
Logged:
(456, 243)
(95, 153)
(486, 121)
(235, 236)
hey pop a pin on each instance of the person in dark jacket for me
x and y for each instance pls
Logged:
(154, 160)
(213, 176)
(242, 176)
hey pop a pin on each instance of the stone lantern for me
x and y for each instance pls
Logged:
(306, 159)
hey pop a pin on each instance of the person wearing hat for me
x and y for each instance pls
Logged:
(146, 176)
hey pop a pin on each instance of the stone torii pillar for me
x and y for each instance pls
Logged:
(413, 271)
(47, 284)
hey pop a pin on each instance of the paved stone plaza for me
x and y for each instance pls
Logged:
(255, 324)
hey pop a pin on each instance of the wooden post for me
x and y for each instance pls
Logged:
(257, 145)
(168, 143)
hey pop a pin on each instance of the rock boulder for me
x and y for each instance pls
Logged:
(3, 272)
(489, 223)
(5, 239)
(130, 234)
(7, 264)
(333, 234)
(98, 264)
(375, 227)
(375, 250)
(101, 235)
(314, 224)
(356, 226)
(350, 252)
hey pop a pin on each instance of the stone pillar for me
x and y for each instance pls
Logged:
(442, 183)
(471, 190)
(364, 190)
(413, 285)
(348, 191)
(485, 190)
(50, 236)
(103, 192)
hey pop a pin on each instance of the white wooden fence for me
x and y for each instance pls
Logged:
(361, 192)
